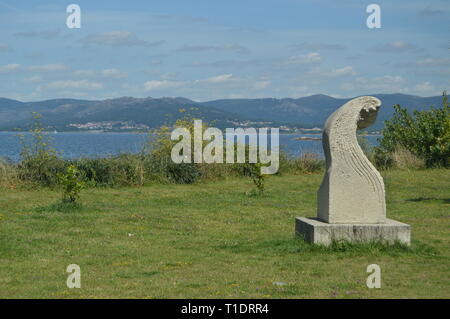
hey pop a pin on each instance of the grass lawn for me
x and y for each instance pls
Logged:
(210, 240)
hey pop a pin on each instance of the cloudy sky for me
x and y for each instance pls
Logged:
(210, 49)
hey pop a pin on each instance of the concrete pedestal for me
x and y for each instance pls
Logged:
(318, 232)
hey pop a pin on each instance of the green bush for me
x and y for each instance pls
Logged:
(118, 170)
(254, 171)
(40, 162)
(161, 166)
(71, 183)
(306, 163)
(426, 134)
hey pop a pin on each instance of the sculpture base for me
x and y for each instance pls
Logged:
(318, 232)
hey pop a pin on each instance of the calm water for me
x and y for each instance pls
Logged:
(73, 145)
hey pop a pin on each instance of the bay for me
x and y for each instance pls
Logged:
(72, 145)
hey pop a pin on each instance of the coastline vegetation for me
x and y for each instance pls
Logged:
(409, 141)
(420, 139)
(41, 165)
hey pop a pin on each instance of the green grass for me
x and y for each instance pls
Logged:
(211, 240)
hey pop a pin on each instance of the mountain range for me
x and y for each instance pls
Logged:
(129, 112)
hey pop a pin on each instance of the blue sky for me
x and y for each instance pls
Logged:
(206, 50)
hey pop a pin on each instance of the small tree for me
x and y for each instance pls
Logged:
(425, 134)
(72, 184)
(254, 171)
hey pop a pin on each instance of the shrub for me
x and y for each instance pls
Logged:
(254, 171)
(159, 149)
(216, 171)
(95, 171)
(306, 163)
(426, 134)
(118, 170)
(404, 159)
(71, 183)
(9, 176)
(40, 163)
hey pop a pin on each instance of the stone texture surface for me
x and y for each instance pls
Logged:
(351, 199)
(352, 190)
(318, 232)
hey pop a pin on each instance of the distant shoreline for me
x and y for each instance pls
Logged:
(146, 132)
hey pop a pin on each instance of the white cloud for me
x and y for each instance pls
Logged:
(386, 83)
(434, 62)
(425, 88)
(229, 81)
(309, 58)
(400, 45)
(219, 83)
(107, 73)
(74, 84)
(159, 85)
(114, 73)
(347, 70)
(33, 79)
(260, 85)
(57, 67)
(218, 79)
(223, 47)
(118, 39)
(395, 46)
(389, 84)
(298, 91)
(319, 46)
(226, 64)
(46, 34)
(8, 68)
(344, 71)
(84, 73)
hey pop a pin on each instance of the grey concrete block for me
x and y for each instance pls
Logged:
(319, 232)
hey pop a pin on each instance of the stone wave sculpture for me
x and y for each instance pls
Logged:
(350, 202)
(352, 190)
